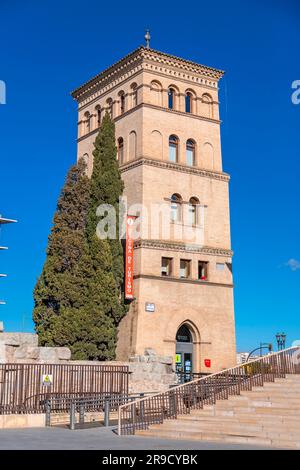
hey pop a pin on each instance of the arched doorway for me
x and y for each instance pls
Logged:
(184, 353)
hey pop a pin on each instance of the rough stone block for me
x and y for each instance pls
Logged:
(18, 339)
(134, 359)
(63, 353)
(165, 359)
(150, 352)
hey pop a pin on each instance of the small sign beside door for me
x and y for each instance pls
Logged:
(207, 362)
(178, 358)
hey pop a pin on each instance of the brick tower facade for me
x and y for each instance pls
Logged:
(166, 113)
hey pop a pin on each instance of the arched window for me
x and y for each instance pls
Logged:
(184, 335)
(190, 152)
(193, 211)
(173, 148)
(109, 103)
(85, 158)
(98, 115)
(121, 150)
(87, 117)
(207, 105)
(134, 99)
(132, 145)
(188, 102)
(171, 98)
(176, 201)
(156, 93)
(122, 102)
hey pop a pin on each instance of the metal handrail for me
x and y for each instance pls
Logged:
(105, 402)
(206, 390)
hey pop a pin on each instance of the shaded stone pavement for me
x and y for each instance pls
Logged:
(98, 438)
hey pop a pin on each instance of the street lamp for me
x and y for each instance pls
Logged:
(280, 338)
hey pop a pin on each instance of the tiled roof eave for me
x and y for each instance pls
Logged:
(145, 54)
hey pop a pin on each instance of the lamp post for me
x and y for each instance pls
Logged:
(268, 346)
(280, 338)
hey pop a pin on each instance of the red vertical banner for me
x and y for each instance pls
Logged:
(129, 257)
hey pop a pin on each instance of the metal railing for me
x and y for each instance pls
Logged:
(23, 390)
(184, 377)
(206, 391)
(83, 404)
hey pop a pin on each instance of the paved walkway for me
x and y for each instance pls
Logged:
(96, 438)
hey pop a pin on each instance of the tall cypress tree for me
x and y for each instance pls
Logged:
(62, 288)
(106, 301)
(78, 297)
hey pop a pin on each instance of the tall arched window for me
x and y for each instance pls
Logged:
(156, 93)
(122, 102)
(121, 150)
(176, 201)
(190, 152)
(188, 102)
(171, 98)
(98, 115)
(207, 105)
(193, 211)
(109, 103)
(184, 335)
(134, 94)
(132, 145)
(173, 148)
(87, 117)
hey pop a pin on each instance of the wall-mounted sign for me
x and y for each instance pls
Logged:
(149, 307)
(207, 362)
(47, 380)
(129, 257)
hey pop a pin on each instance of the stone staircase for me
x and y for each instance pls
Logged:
(267, 416)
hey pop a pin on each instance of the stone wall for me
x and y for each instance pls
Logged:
(23, 347)
(151, 373)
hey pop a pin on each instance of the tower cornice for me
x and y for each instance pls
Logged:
(167, 165)
(144, 58)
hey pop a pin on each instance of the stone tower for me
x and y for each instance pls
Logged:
(166, 113)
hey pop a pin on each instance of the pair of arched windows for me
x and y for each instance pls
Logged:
(176, 209)
(172, 100)
(190, 150)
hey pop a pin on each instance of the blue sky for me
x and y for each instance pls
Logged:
(49, 48)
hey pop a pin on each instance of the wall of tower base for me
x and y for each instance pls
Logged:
(206, 309)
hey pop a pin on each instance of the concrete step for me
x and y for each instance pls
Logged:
(280, 442)
(215, 437)
(257, 403)
(243, 418)
(287, 394)
(232, 426)
(258, 410)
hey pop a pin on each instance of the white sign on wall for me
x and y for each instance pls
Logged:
(149, 307)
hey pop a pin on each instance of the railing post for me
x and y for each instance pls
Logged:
(81, 413)
(48, 413)
(72, 416)
(133, 417)
(119, 421)
(142, 407)
(106, 411)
